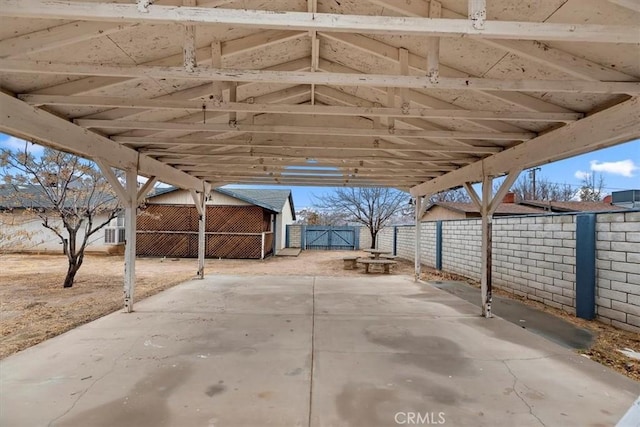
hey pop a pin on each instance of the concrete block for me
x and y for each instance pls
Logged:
(603, 264)
(569, 243)
(603, 283)
(633, 279)
(553, 258)
(633, 237)
(602, 319)
(544, 294)
(610, 236)
(625, 308)
(613, 295)
(563, 267)
(571, 277)
(571, 260)
(569, 293)
(563, 300)
(611, 217)
(612, 275)
(544, 264)
(632, 216)
(626, 226)
(563, 283)
(633, 299)
(553, 242)
(603, 245)
(603, 302)
(627, 267)
(553, 273)
(625, 287)
(544, 280)
(535, 298)
(611, 255)
(633, 320)
(633, 257)
(612, 314)
(603, 226)
(569, 227)
(624, 246)
(563, 251)
(553, 304)
(553, 289)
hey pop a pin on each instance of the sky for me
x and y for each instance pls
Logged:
(619, 165)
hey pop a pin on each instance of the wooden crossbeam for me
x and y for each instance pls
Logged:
(322, 110)
(333, 79)
(51, 9)
(303, 130)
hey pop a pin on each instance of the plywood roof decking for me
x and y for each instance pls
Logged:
(368, 114)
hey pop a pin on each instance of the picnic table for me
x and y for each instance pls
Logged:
(384, 263)
(377, 252)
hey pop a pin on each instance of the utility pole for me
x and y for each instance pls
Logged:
(532, 172)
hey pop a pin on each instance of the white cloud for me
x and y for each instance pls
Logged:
(17, 144)
(582, 175)
(623, 167)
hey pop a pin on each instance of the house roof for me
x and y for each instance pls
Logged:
(503, 209)
(273, 200)
(555, 206)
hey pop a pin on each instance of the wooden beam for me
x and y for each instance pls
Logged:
(322, 110)
(115, 183)
(303, 130)
(533, 50)
(633, 5)
(24, 121)
(335, 79)
(148, 186)
(478, 13)
(328, 143)
(56, 9)
(620, 123)
(433, 45)
(505, 186)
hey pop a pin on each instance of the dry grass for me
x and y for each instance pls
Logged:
(35, 307)
(608, 341)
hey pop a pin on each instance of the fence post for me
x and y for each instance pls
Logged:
(395, 240)
(439, 245)
(262, 247)
(586, 266)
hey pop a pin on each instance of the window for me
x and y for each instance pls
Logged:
(114, 234)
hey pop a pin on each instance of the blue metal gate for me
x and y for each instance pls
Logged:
(330, 238)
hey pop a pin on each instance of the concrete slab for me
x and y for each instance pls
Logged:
(289, 252)
(542, 323)
(306, 351)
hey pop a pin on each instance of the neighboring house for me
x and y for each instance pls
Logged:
(240, 223)
(511, 207)
(22, 230)
(237, 222)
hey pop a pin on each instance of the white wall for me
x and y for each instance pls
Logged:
(282, 220)
(24, 232)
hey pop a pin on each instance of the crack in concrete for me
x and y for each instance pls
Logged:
(513, 386)
(85, 391)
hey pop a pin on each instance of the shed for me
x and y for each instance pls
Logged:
(240, 223)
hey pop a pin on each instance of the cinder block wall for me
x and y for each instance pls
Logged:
(618, 269)
(534, 257)
(295, 233)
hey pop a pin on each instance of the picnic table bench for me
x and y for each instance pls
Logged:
(350, 262)
(385, 263)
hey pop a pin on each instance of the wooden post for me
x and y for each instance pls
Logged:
(487, 222)
(131, 207)
(262, 247)
(200, 200)
(418, 265)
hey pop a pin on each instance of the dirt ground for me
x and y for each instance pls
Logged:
(35, 307)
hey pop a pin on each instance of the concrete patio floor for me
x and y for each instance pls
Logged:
(300, 351)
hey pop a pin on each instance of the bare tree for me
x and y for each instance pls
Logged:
(591, 189)
(65, 192)
(458, 195)
(371, 207)
(543, 189)
(311, 216)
